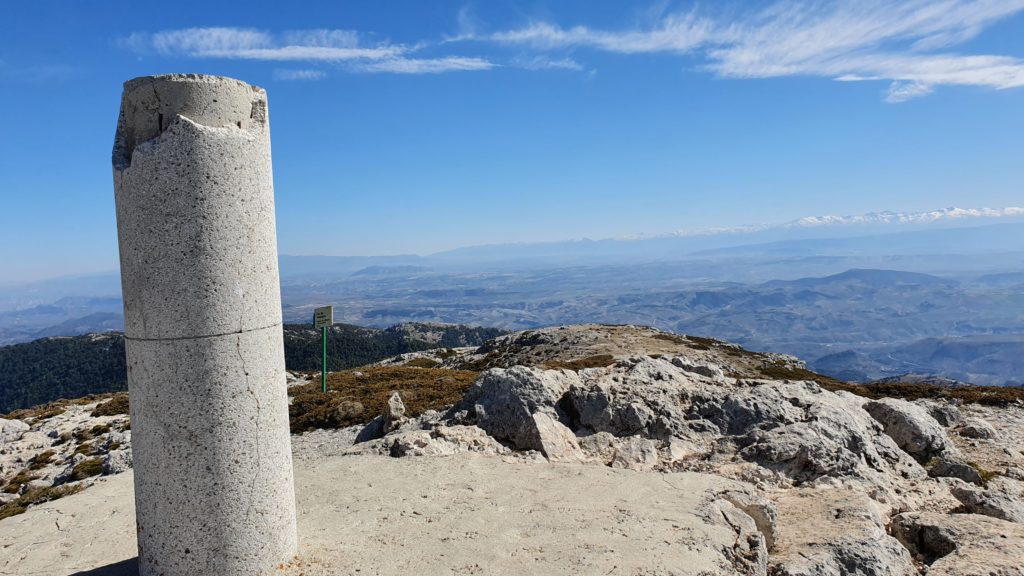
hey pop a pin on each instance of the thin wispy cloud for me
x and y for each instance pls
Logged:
(904, 43)
(426, 65)
(339, 47)
(298, 75)
(251, 44)
(546, 63)
(679, 34)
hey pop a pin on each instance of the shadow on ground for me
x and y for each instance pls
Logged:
(122, 568)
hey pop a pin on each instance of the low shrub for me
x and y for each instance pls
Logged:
(356, 397)
(41, 460)
(118, 404)
(36, 496)
(86, 469)
(596, 361)
(423, 362)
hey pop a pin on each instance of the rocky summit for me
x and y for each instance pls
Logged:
(585, 449)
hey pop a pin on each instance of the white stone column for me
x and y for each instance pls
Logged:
(214, 492)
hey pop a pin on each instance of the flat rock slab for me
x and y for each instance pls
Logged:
(465, 514)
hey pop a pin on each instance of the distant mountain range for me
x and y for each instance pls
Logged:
(848, 294)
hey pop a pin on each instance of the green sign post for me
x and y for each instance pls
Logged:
(323, 318)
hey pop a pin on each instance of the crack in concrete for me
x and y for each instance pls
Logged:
(248, 387)
(234, 332)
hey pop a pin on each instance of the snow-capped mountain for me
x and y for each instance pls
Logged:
(949, 216)
(890, 217)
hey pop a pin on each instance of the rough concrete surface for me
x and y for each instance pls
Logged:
(463, 514)
(195, 212)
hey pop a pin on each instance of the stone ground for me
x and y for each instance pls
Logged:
(463, 514)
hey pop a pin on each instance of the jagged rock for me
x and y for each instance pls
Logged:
(635, 453)
(120, 439)
(372, 431)
(977, 428)
(440, 441)
(749, 552)
(944, 413)
(632, 452)
(955, 468)
(117, 461)
(394, 413)
(761, 510)
(989, 503)
(827, 434)
(557, 442)
(962, 544)
(642, 397)
(12, 430)
(504, 401)
(835, 532)
(707, 369)
(912, 427)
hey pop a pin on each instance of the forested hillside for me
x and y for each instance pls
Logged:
(70, 367)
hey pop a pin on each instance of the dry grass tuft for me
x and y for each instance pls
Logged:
(36, 496)
(358, 396)
(118, 404)
(598, 361)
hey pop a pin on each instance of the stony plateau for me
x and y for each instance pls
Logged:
(587, 449)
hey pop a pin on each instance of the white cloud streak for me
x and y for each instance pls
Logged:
(250, 44)
(851, 41)
(426, 65)
(298, 75)
(318, 46)
(545, 63)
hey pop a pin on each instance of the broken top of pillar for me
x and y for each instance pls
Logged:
(150, 104)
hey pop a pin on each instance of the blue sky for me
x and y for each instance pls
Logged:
(413, 127)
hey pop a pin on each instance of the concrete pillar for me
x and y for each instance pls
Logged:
(195, 216)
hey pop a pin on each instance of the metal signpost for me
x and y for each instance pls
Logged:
(323, 318)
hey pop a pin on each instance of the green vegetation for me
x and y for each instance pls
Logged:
(986, 475)
(14, 484)
(422, 363)
(87, 468)
(118, 404)
(598, 361)
(356, 397)
(41, 460)
(36, 496)
(43, 371)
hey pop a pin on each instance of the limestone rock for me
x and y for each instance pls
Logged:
(557, 442)
(749, 551)
(835, 532)
(944, 413)
(440, 441)
(503, 402)
(394, 413)
(12, 430)
(955, 468)
(825, 434)
(912, 427)
(989, 503)
(117, 461)
(962, 544)
(635, 453)
(703, 368)
(977, 428)
(761, 510)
